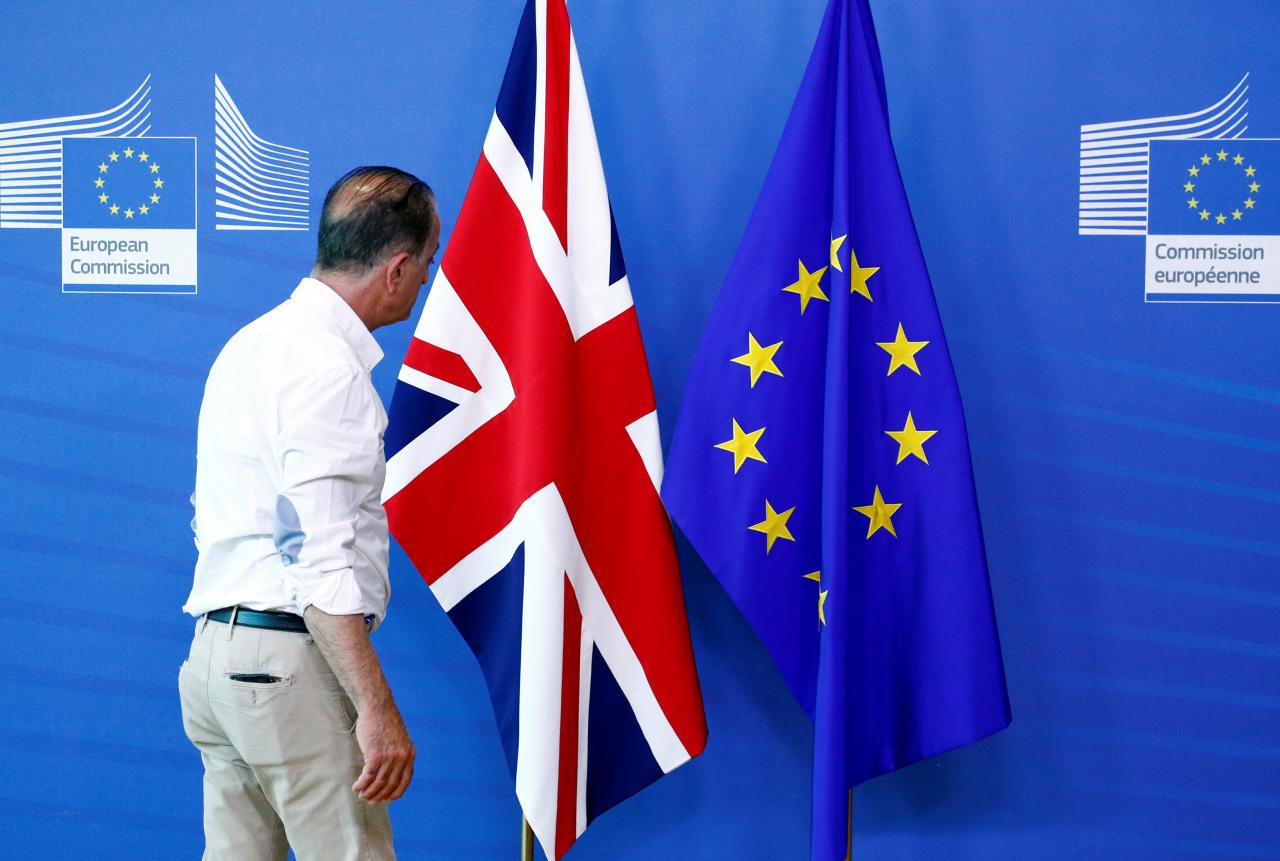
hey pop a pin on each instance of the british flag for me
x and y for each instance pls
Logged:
(523, 461)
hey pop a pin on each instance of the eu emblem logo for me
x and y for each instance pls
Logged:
(129, 215)
(1214, 221)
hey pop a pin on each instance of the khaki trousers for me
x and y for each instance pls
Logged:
(279, 756)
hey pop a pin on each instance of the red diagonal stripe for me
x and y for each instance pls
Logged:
(440, 363)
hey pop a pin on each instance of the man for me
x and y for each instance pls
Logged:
(282, 693)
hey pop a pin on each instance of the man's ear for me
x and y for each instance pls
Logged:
(394, 272)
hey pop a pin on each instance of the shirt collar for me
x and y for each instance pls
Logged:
(320, 296)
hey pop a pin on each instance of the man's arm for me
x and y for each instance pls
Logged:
(380, 731)
(329, 453)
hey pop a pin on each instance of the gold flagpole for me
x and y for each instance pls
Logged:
(848, 854)
(526, 840)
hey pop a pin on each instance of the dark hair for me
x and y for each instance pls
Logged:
(370, 213)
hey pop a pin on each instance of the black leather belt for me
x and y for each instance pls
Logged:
(271, 619)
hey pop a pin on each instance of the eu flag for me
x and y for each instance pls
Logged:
(820, 464)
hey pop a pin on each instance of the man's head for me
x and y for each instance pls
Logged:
(379, 231)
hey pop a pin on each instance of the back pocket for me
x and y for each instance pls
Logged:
(255, 678)
(255, 687)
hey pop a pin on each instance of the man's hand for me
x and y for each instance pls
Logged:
(380, 731)
(388, 755)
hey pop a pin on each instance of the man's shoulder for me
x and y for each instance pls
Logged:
(285, 342)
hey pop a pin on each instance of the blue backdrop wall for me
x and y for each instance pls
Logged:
(1126, 453)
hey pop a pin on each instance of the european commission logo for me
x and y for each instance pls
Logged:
(125, 201)
(1214, 231)
(1196, 188)
(129, 215)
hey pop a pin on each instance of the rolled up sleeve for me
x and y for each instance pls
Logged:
(329, 448)
(195, 533)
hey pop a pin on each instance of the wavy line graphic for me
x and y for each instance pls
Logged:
(1114, 160)
(258, 185)
(31, 156)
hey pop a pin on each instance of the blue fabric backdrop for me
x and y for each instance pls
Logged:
(1126, 454)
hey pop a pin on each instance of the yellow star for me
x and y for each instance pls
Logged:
(143, 209)
(159, 183)
(128, 153)
(1222, 155)
(114, 156)
(102, 198)
(142, 156)
(99, 182)
(858, 275)
(102, 168)
(115, 210)
(1193, 203)
(1248, 204)
(155, 198)
(911, 440)
(1204, 215)
(155, 168)
(1237, 215)
(902, 351)
(1191, 186)
(1204, 159)
(879, 514)
(1220, 218)
(1239, 159)
(743, 446)
(806, 286)
(1250, 170)
(1254, 187)
(816, 576)
(835, 247)
(774, 526)
(128, 213)
(759, 359)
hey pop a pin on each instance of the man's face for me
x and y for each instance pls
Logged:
(415, 273)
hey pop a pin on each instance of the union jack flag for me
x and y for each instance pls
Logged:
(523, 461)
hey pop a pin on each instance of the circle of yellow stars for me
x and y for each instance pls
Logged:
(1221, 156)
(100, 183)
(762, 360)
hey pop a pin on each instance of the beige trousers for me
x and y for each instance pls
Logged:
(279, 756)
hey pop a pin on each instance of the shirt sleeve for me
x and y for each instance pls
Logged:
(329, 448)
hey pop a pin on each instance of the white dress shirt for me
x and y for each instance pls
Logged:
(289, 466)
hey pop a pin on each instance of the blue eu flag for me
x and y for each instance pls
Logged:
(820, 464)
